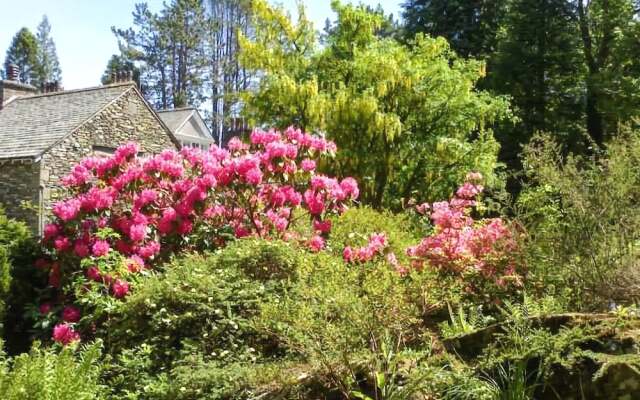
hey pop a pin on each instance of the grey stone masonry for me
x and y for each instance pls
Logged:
(126, 120)
(36, 178)
(11, 89)
(20, 183)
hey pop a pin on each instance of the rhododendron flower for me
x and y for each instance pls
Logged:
(254, 176)
(137, 232)
(45, 308)
(94, 274)
(120, 288)
(322, 226)
(100, 248)
(308, 165)
(376, 245)
(51, 231)
(347, 254)
(67, 210)
(70, 314)
(135, 263)
(460, 245)
(62, 243)
(316, 243)
(81, 249)
(149, 250)
(65, 334)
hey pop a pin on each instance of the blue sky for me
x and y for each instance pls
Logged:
(81, 29)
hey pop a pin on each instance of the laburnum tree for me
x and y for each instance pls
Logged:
(407, 118)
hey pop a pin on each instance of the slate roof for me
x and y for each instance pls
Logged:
(30, 125)
(175, 118)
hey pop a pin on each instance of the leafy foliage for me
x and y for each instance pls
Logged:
(408, 119)
(49, 374)
(582, 218)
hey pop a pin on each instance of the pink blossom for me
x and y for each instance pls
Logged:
(254, 176)
(65, 334)
(81, 249)
(100, 248)
(350, 187)
(316, 243)
(347, 254)
(149, 250)
(70, 314)
(308, 165)
(94, 274)
(62, 243)
(51, 231)
(137, 232)
(45, 308)
(67, 210)
(322, 226)
(120, 288)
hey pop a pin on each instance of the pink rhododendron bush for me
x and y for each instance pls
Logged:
(482, 253)
(126, 214)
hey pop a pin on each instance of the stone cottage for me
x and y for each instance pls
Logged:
(43, 135)
(188, 127)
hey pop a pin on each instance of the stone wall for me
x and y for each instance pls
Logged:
(19, 182)
(9, 89)
(127, 119)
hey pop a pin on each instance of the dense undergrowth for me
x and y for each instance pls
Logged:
(439, 301)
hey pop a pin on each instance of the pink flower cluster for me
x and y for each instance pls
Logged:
(464, 246)
(161, 205)
(375, 247)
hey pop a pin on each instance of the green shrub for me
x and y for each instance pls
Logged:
(18, 250)
(196, 315)
(46, 374)
(348, 323)
(583, 221)
(354, 227)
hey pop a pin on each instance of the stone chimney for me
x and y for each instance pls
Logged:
(50, 87)
(12, 88)
(122, 76)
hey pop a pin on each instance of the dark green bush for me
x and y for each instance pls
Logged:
(18, 250)
(49, 374)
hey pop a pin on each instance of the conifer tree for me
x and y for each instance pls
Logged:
(23, 52)
(48, 66)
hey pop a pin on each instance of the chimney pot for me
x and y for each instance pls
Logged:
(13, 72)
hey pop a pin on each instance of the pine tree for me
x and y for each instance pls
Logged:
(48, 66)
(170, 47)
(118, 63)
(539, 65)
(23, 52)
(470, 26)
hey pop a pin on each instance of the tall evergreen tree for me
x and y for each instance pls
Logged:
(539, 64)
(23, 52)
(118, 63)
(606, 29)
(170, 46)
(48, 66)
(470, 26)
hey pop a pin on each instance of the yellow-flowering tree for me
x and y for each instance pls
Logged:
(407, 118)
